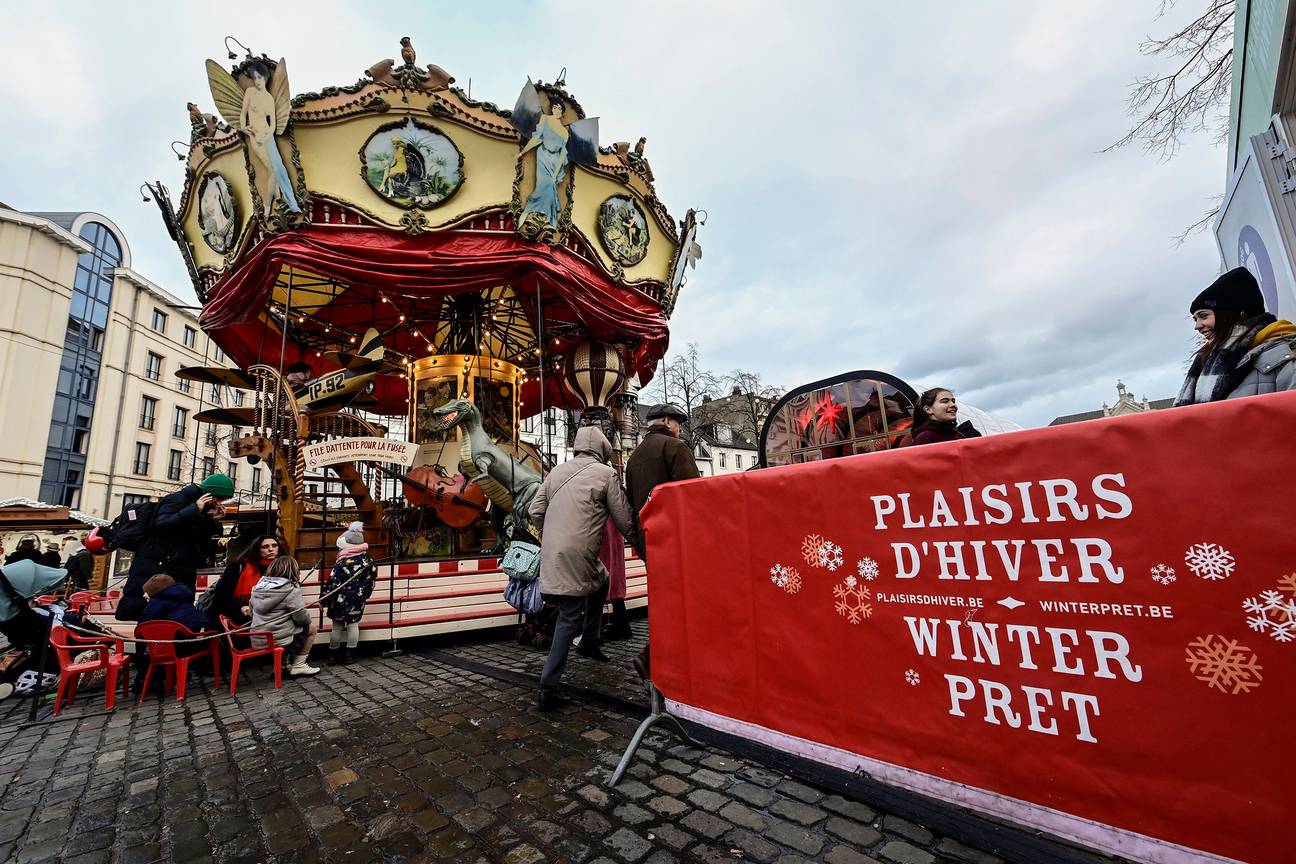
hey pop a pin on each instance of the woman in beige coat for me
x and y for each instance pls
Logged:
(570, 508)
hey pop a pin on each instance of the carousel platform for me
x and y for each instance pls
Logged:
(421, 598)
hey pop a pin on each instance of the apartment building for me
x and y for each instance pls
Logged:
(94, 416)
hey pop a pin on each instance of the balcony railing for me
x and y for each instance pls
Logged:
(146, 422)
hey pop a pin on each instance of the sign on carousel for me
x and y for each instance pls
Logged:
(359, 450)
(1090, 630)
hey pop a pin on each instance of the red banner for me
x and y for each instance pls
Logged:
(1088, 629)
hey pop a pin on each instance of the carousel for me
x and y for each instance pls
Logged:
(406, 279)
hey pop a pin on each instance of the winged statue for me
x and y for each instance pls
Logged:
(257, 106)
(555, 144)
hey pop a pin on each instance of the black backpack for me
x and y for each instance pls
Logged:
(131, 527)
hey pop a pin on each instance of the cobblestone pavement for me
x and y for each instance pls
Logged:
(414, 759)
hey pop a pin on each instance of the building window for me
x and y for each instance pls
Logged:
(87, 379)
(159, 320)
(217, 354)
(215, 394)
(141, 458)
(173, 465)
(153, 366)
(78, 369)
(211, 435)
(132, 500)
(148, 412)
(738, 461)
(232, 471)
(722, 459)
(184, 385)
(256, 479)
(209, 466)
(238, 398)
(180, 422)
(190, 336)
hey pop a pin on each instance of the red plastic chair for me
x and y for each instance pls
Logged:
(81, 600)
(241, 654)
(113, 662)
(163, 653)
(47, 599)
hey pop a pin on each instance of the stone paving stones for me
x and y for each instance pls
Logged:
(415, 759)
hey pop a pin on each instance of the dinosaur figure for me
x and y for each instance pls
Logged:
(508, 484)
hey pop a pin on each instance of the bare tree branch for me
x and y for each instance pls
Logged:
(1201, 224)
(1195, 96)
(684, 381)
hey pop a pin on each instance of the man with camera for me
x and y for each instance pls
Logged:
(183, 538)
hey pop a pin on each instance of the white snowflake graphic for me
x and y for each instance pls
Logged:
(867, 568)
(1272, 613)
(1162, 574)
(1209, 561)
(852, 600)
(787, 578)
(810, 549)
(830, 555)
(1224, 664)
(912, 677)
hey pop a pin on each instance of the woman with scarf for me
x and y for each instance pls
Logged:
(348, 587)
(1245, 350)
(935, 418)
(232, 595)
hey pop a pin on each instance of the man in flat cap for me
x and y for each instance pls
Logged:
(661, 458)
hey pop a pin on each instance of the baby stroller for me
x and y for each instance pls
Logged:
(25, 627)
(537, 630)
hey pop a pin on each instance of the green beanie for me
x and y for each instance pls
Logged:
(219, 485)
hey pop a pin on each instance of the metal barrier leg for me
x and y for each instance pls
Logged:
(658, 714)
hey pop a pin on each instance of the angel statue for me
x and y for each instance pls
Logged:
(555, 145)
(257, 106)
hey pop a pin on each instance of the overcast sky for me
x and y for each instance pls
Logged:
(911, 187)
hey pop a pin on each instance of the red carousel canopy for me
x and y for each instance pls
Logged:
(422, 271)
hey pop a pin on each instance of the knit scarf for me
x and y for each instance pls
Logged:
(947, 427)
(1210, 378)
(248, 579)
(353, 550)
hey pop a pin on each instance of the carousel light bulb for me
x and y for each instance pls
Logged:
(352, 340)
(301, 319)
(402, 317)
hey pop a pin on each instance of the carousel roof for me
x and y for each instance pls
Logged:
(448, 224)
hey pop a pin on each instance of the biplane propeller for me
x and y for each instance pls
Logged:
(347, 387)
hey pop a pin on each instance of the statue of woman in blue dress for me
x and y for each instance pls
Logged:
(555, 145)
(550, 143)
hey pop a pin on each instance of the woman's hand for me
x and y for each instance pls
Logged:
(247, 610)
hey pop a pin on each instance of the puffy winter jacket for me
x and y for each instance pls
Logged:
(277, 606)
(175, 604)
(1270, 366)
(576, 499)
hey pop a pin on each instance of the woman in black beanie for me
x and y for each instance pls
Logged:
(1245, 350)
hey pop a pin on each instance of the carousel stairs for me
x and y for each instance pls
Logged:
(314, 536)
(312, 540)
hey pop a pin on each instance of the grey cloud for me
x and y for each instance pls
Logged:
(913, 187)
